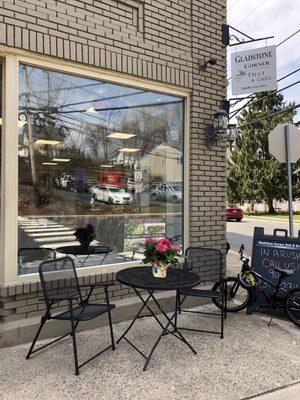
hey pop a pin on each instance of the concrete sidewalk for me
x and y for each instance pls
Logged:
(286, 393)
(253, 361)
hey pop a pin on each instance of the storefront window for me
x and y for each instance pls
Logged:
(0, 129)
(99, 154)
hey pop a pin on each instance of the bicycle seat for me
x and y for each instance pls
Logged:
(284, 272)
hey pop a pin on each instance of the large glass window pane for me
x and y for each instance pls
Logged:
(100, 154)
(0, 130)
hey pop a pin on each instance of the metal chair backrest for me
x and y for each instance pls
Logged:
(205, 262)
(66, 282)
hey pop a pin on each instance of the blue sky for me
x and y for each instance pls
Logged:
(278, 18)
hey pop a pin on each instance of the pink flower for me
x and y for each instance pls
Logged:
(150, 240)
(163, 245)
(161, 248)
(165, 242)
(175, 247)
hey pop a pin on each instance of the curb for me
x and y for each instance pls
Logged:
(269, 219)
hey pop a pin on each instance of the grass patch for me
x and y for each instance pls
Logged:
(279, 216)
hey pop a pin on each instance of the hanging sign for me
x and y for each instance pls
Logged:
(254, 70)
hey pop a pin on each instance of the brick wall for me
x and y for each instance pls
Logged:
(162, 40)
(150, 39)
(25, 300)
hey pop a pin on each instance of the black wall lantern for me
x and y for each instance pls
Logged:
(218, 129)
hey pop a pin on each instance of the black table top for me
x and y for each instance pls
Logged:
(141, 277)
(79, 250)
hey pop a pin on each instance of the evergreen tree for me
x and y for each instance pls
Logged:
(253, 173)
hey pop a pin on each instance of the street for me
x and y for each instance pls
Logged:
(242, 232)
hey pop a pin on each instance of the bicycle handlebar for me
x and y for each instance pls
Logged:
(241, 250)
(244, 260)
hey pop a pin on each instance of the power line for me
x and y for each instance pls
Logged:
(278, 80)
(263, 98)
(236, 1)
(122, 107)
(270, 115)
(268, 95)
(251, 12)
(250, 95)
(106, 98)
(287, 75)
(286, 39)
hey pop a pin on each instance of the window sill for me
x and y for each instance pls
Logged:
(82, 272)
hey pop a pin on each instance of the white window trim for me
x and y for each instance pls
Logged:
(9, 168)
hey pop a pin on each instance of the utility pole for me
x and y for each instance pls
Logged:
(29, 116)
(289, 174)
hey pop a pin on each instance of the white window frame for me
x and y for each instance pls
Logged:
(9, 168)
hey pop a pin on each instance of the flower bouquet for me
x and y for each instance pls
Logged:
(160, 253)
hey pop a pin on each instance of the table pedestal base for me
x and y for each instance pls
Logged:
(168, 329)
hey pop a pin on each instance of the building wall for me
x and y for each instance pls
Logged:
(161, 40)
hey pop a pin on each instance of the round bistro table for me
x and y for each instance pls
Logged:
(87, 251)
(141, 279)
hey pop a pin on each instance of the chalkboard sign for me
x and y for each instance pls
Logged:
(275, 251)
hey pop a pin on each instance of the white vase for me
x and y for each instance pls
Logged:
(159, 270)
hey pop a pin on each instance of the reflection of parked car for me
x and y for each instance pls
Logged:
(165, 192)
(111, 195)
(65, 181)
(234, 212)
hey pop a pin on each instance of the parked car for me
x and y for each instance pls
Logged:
(111, 195)
(234, 212)
(166, 192)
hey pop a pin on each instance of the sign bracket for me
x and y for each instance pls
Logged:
(227, 37)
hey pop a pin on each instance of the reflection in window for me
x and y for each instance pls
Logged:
(97, 153)
(0, 130)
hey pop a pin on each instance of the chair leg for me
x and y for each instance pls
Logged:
(225, 315)
(180, 303)
(74, 342)
(42, 323)
(222, 310)
(177, 308)
(222, 323)
(111, 330)
(271, 320)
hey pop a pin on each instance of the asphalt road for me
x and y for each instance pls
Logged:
(242, 232)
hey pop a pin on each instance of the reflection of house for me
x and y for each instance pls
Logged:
(163, 163)
(23, 151)
(124, 158)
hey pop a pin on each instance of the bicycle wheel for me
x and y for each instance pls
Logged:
(293, 306)
(237, 295)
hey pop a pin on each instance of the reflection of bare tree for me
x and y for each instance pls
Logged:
(55, 94)
(39, 108)
(153, 128)
(96, 136)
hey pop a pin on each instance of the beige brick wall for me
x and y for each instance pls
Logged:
(161, 40)
(24, 300)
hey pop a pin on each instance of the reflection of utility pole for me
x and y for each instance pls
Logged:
(31, 147)
(29, 126)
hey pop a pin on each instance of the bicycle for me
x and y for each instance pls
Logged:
(241, 291)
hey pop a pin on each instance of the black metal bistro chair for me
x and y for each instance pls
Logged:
(207, 263)
(79, 309)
